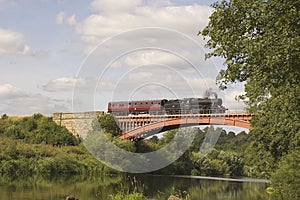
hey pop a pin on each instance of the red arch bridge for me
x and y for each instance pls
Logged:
(139, 127)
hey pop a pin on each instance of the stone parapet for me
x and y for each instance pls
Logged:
(78, 123)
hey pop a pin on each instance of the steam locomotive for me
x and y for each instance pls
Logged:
(168, 107)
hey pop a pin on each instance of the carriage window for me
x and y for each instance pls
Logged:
(135, 103)
(129, 103)
(141, 103)
(151, 103)
(146, 103)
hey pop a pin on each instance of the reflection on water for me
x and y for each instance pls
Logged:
(204, 189)
(154, 187)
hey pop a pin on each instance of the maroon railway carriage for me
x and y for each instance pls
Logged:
(135, 107)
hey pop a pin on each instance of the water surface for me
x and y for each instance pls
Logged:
(154, 187)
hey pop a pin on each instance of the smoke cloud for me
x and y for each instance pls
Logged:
(209, 93)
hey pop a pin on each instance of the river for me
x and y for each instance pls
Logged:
(154, 187)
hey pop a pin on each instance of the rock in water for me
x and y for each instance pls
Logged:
(172, 197)
(71, 197)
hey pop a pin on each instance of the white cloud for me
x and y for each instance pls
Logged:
(14, 101)
(96, 27)
(71, 20)
(13, 43)
(111, 6)
(155, 81)
(150, 57)
(60, 18)
(158, 3)
(229, 98)
(66, 84)
(8, 91)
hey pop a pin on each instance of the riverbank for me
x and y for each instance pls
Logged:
(237, 179)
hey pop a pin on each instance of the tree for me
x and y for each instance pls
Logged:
(259, 41)
(108, 124)
(4, 116)
(286, 181)
(37, 129)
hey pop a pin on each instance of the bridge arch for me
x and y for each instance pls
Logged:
(146, 130)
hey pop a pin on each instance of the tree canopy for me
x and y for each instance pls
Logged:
(286, 179)
(260, 43)
(36, 129)
(259, 40)
(108, 123)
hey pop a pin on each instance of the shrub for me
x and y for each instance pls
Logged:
(132, 196)
(286, 180)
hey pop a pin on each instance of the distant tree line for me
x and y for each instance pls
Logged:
(225, 159)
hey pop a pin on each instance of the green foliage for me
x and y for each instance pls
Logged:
(124, 144)
(131, 196)
(259, 41)
(145, 146)
(4, 116)
(259, 162)
(226, 160)
(219, 163)
(37, 129)
(108, 123)
(14, 132)
(18, 159)
(100, 144)
(286, 180)
(233, 142)
(36, 145)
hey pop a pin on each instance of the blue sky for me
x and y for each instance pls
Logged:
(45, 47)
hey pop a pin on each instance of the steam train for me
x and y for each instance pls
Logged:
(168, 107)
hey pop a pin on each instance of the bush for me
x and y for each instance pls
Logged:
(37, 129)
(132, 196)
(286, 180)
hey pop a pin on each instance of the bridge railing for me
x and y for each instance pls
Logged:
(235, 111)
(129, 123)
